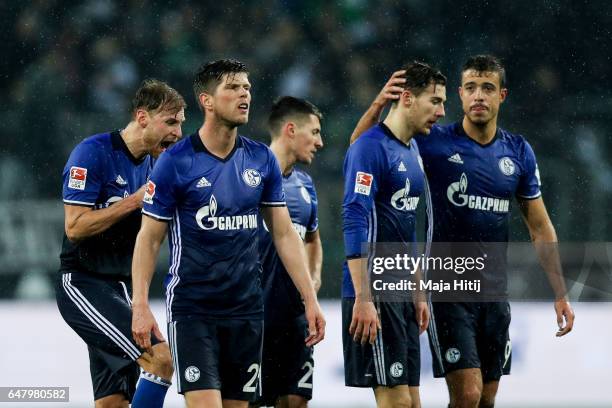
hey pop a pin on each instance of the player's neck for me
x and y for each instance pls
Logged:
(218, 138)
(481, 134)
(132, 135)
(285, 159)
(398, 127)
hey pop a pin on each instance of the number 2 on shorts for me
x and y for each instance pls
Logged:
(250, 386)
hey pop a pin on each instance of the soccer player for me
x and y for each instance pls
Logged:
(383, 181)
(103, 188)
(209, 187)
(475, 168)
(287, 368)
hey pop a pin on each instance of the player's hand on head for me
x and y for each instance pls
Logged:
(393, 88)
(365, 323)
(421, 311)
(143, 324)
(565, 317)
(316, 323)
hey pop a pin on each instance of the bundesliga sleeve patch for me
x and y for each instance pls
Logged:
(149, 192)
(363, 183)
(78, 178)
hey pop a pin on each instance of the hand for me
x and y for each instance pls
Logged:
(365, 322)
(392, 89)
(143, 323)
(139, 195)
(421, 312)
(565, 317)
(316, 323)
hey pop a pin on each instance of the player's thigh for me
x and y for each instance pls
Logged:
(465, 385)
(107, 380)
(287, 363)
(240, 358)
(453, 334)
(291, 401)
(489, 392)
(415, 396)
(112, 401)
(397, 345)
(195, 349)
(230, 403)
(393, 359)
(99, 312)
(203, 398)
(359, 370)
(393, 397)
(494, 346)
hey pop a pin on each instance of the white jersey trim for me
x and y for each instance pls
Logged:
(79, 202)
(157, 217)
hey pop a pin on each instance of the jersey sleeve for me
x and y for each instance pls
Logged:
(363, 171)
(529, 182)
(313, 222)
(159, 200)
(273, 194)
(83, 175)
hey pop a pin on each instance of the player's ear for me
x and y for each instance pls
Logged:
(290, 129)
(503, 93)
(407, 98)
(205, 100)
(142, 117)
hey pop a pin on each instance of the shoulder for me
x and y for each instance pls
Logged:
(437, 132)
(253, 145)
(179, 155)
(95, 142)
(304, 178)
(516, 142)
(92, 151)
(371, 140)
(181, 148)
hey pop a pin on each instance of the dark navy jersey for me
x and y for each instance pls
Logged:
(283, 303)
(383, 181)
(472, 187)
(101, 171)
(212, 206)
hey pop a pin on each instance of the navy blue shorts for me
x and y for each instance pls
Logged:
(288, 364)
(99, 311)
(220, 354)
(471, 335)
(395, 357)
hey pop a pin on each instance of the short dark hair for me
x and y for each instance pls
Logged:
(209, 75)
(420, 75)
(289, 106)
(486, 63)
(154, 95)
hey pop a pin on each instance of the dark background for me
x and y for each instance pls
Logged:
(69, 69)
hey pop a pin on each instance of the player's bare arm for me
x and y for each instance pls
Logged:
(291, 251)
(314, 255)
(83, 222)
(390, 92)
(544, 238)
(146, 250)
(365, 323)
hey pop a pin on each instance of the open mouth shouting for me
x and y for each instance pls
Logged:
(243, 107)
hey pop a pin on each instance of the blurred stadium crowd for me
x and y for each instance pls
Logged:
(69, 69)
